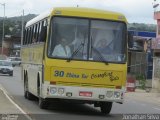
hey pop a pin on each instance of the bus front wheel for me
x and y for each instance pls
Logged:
(106, 107)
(43, 104)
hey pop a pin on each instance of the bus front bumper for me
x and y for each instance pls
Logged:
(82, 93)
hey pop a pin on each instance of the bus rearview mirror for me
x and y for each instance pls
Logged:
(130, 41)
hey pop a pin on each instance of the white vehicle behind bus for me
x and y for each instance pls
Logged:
(16, 61)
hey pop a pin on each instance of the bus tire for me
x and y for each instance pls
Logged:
(25, 87)
(43, 104)
(30, 96)
(106, 107)
(27, 94)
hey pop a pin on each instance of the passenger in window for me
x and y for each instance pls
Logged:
(104, 46)
(79, 39)
(33, 40)
(104, 49)
(62, 49)
(79, 43)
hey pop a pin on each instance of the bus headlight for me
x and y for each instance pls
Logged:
(117, 94)
(60, 91)
(53, 90)
(109, 94)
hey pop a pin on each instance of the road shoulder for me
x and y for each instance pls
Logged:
(9, 109)
(141, 95)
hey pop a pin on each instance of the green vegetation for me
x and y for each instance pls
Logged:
(141, 80)
(13, 25)
(142, 27)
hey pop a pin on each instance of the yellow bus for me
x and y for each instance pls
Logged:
(75, 54)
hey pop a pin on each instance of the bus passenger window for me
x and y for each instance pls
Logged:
(34, 39)
(34, 34)
(43, 34)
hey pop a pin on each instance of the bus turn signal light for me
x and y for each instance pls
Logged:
(52, 82)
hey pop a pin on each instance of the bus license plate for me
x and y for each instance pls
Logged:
(86, 94)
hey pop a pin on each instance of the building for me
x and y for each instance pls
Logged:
(156, 57)
(11, 45)
(141, 55)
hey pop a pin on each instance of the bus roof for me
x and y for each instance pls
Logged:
(88, 13)
(38, 18)
(80, 12)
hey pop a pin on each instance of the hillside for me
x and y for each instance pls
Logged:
(142, 27)
(131, 26)
(13, 25)
(26, 17)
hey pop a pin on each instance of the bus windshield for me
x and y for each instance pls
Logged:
(87, 39)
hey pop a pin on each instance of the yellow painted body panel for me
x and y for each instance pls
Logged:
(79, 73)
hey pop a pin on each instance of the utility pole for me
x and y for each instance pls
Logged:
(3, 35)
(22, 30)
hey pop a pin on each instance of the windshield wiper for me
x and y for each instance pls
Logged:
(75, 52)
(101, 58)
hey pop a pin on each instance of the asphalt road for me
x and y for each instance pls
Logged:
(66, 111)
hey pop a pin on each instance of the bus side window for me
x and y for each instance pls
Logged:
(37, 32)
(30, 35)
(24, 38)
(33, 40)
(34, 34)
(43, 34)
(45, 22)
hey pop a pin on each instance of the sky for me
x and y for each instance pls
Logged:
(136, 11)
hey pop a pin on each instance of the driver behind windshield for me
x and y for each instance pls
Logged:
(62, 49)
